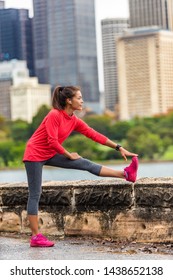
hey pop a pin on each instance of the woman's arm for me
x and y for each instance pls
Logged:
(123, 151)
(89, 132)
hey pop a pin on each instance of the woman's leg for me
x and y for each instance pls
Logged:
(34, 176)
(33, 222)
(86, 165)
(129, 173)
(109, 172)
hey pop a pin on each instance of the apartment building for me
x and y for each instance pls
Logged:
(145, 67)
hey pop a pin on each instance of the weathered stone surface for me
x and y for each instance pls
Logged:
(105, 208)
(154, 192)
(90, 224)
(13, 194)
(47, 224)
(10, 222)
(128, 226)
(102, 195)
(56, 198)
(102, 198)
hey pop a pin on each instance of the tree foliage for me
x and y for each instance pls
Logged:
(37, 119)
(150, 137)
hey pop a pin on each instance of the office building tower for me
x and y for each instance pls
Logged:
(151, 13)
(65, 44)
(145, 76)
(111, 28)
(16, 36)
(40, 40)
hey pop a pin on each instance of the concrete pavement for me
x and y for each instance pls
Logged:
(17, 248)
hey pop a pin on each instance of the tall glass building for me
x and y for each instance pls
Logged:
(65, 44)
(40, 40)
(153, 12)
(111, 28)
(16, 36)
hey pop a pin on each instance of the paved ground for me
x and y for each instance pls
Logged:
(17, 248)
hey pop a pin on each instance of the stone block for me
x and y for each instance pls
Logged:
(103, 196)
(10, 222)
(14, 195)
(56, 198)
(47, 224)
(154, 192)
(86, 224)
(129, 226)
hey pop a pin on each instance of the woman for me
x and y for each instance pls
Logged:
(45, 148)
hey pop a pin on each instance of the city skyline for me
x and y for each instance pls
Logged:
(104, 9)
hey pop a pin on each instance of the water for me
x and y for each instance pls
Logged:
(59, 174)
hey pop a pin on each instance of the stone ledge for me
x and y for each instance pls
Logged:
(100, 208)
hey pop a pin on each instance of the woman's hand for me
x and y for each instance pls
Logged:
(71, 156)
(74, 156)
(126, 153)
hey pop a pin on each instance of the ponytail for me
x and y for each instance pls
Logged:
(61, 94)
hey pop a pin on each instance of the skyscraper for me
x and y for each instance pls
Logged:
(65, 44)
(145, 64)
(16, 36)
(151, 12)
(111, 28)
(40, 40)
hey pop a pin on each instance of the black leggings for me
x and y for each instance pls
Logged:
(34, 175)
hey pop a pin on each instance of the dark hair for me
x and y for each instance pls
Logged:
(61, 94)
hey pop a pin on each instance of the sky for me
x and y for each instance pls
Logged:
(104, 9)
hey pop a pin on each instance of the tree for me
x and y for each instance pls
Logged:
(37, 119)
(100, 123)
(2, 122)
(146, 144)
(5, 152)
(19, 130)
(119, 130)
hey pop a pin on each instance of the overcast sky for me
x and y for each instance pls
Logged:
(104, 9)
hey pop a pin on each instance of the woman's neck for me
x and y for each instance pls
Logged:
(69, 111)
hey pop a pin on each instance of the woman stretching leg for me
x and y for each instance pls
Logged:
(45, 148)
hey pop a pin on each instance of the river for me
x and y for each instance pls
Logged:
(161, 169)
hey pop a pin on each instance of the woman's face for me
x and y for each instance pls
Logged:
(77, 101)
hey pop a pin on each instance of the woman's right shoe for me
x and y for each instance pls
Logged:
(130, 172)
(40, 240)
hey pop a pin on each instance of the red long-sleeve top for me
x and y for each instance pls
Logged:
(55, 128)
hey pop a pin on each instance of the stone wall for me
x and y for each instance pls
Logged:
(141, 212)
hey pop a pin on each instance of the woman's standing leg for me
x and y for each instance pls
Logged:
(34, 175)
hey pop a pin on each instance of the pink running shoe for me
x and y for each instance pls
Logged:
(40, 240)
(130, 172)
